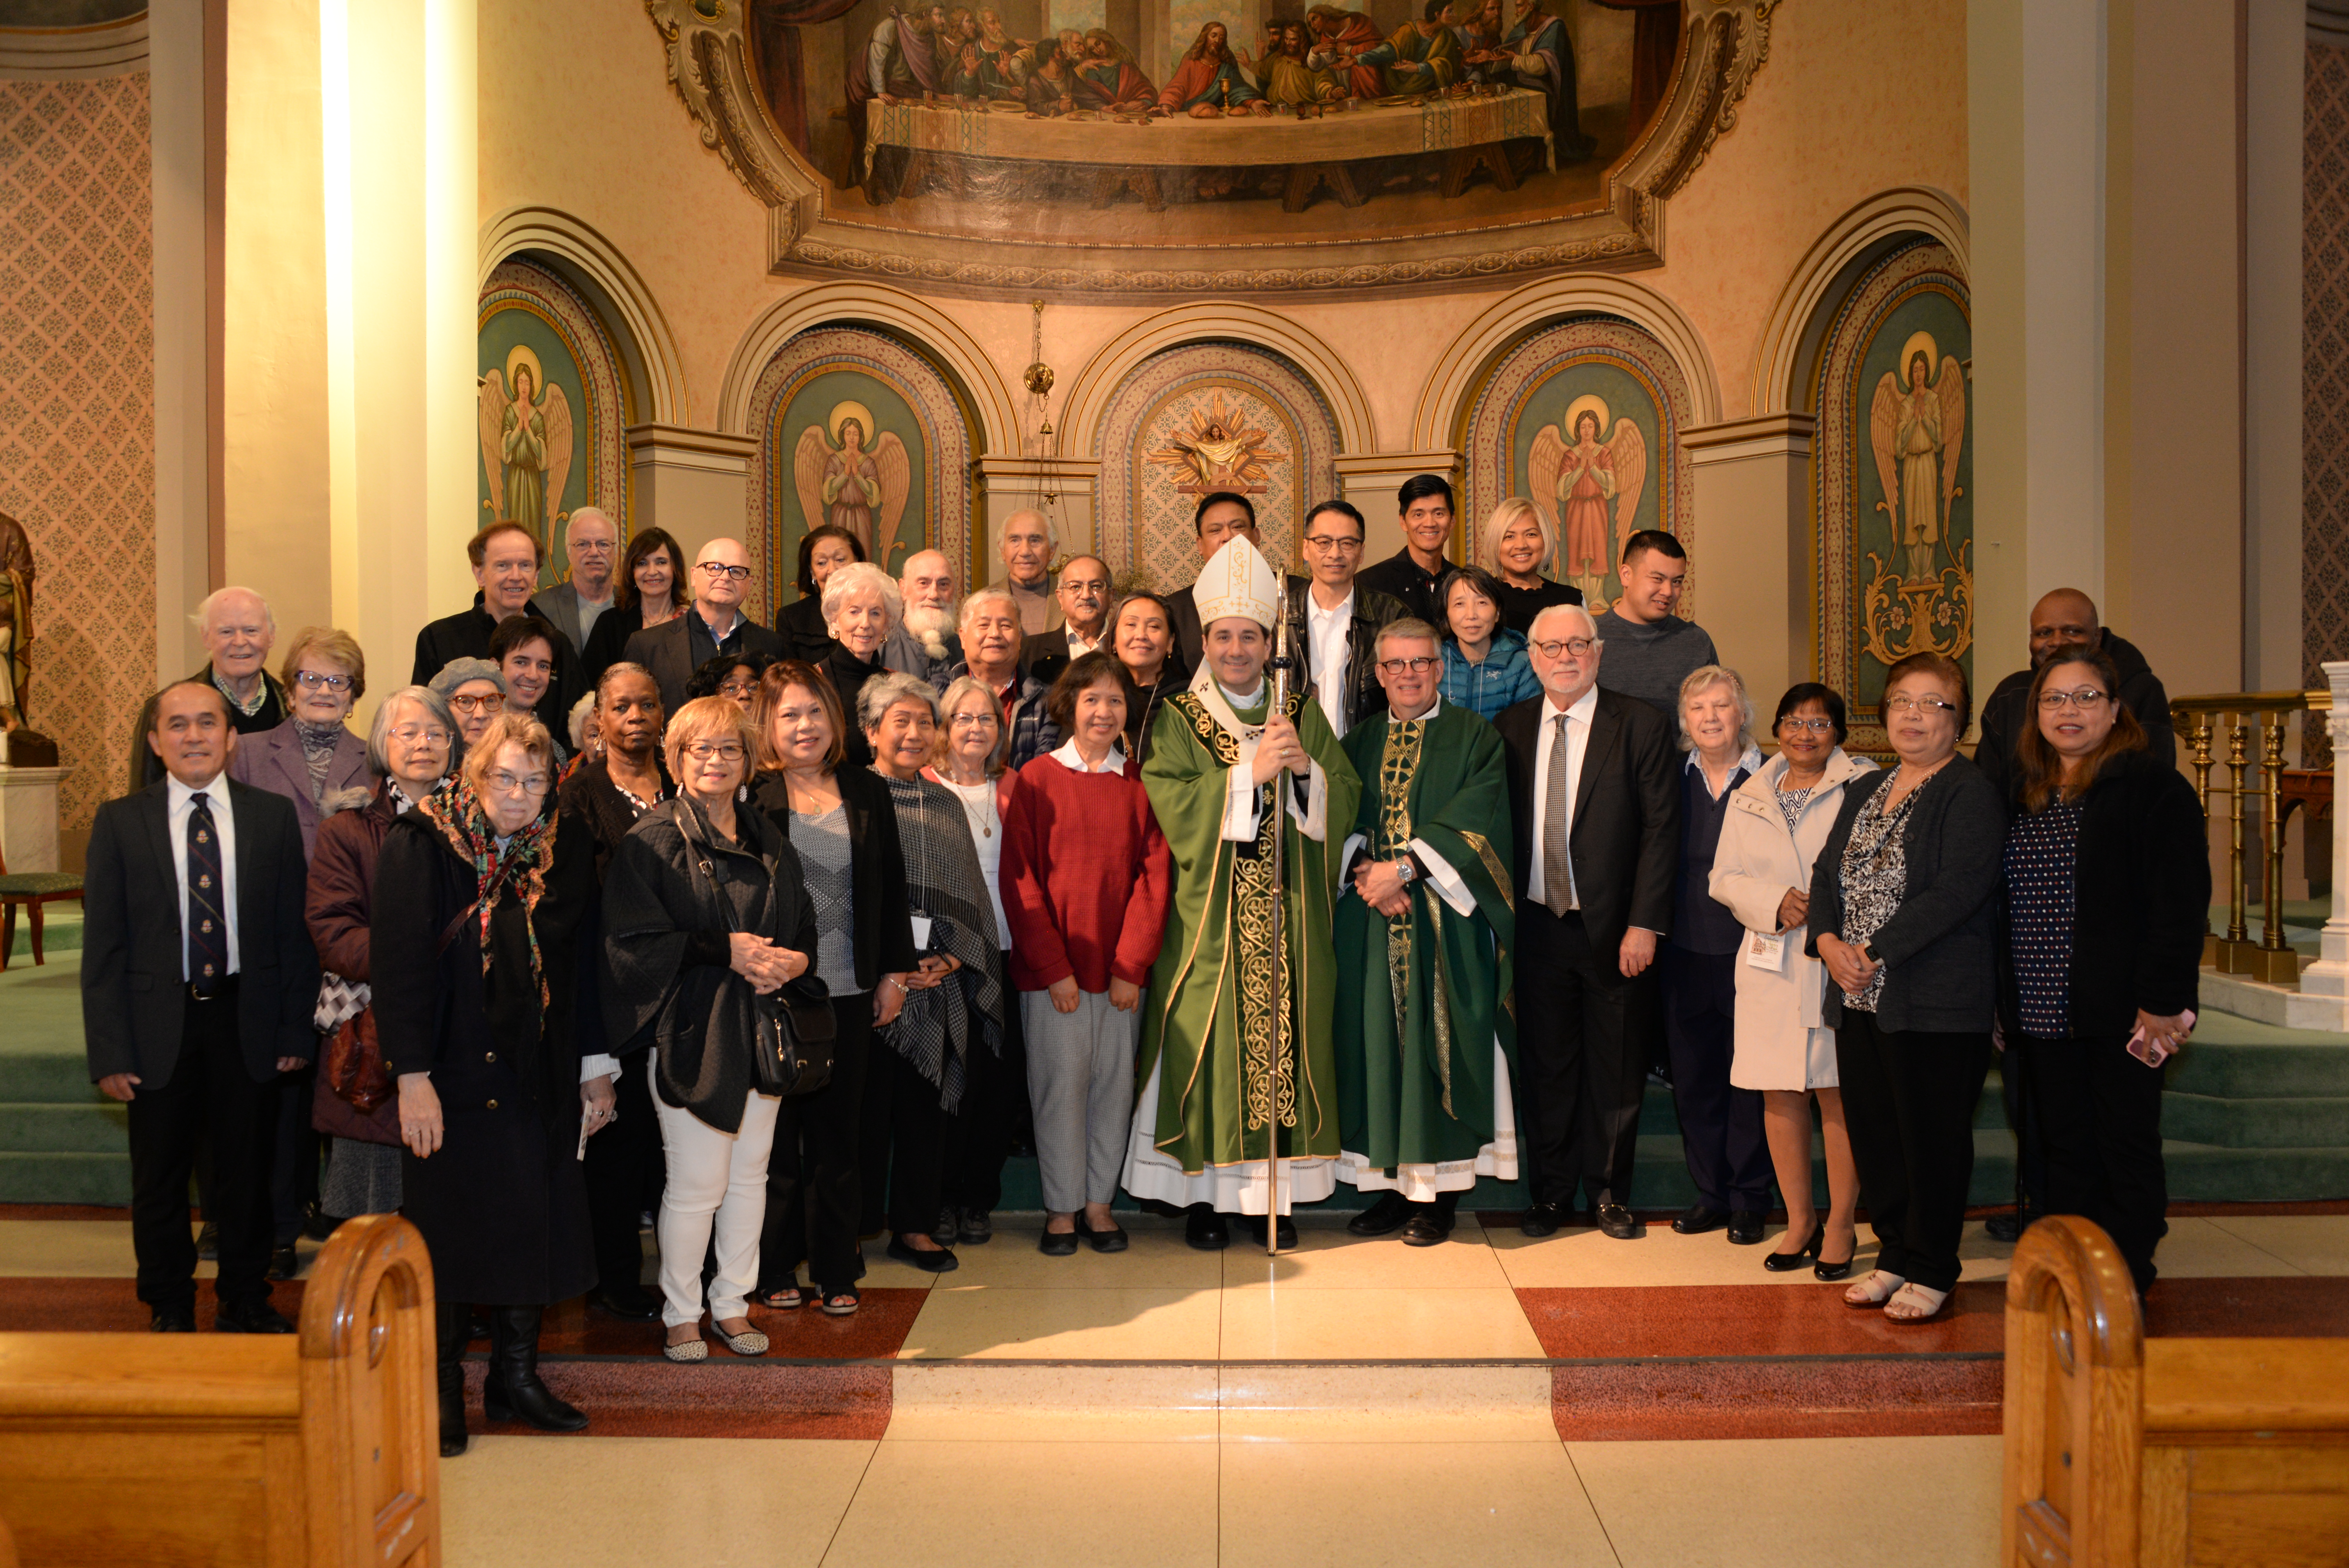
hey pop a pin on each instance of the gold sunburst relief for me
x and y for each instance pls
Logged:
(1219, 450)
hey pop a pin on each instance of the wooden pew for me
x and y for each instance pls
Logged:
(319, 1448)
(2129, 1453)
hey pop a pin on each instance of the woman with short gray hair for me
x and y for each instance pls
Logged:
(861, 609)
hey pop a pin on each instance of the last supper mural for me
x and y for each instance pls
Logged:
(1167, 121)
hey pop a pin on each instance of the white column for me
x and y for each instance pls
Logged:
(1753, 550)
(2276, 96)
(175, 40)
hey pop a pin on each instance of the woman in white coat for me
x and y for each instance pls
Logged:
(1777, 821)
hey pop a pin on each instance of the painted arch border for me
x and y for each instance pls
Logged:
(519, 234)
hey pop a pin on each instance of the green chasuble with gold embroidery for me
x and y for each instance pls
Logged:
(1425, 1031)
(1225, 1060)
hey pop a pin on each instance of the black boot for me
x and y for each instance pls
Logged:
(512, 1391)
(448, 1343)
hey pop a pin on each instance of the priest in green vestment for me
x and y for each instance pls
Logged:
(1235, 1043)
(1424, 929)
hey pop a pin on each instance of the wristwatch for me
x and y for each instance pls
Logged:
(1867, 950)
(1407, 869)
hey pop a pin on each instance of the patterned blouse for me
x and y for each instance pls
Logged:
(1875, 880)
(2042, 851)
(1790, 805)
(827, 859)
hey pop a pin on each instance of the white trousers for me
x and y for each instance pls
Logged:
(713, 1177)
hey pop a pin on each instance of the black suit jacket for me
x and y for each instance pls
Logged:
(681, 645)
(466, 636)
(133, 998)
(1626, 833)
(1190, 637)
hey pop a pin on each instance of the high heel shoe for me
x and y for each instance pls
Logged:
(1834, 1272)
(1787, 1262)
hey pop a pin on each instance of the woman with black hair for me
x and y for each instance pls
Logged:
(1142, 640)
(648, 589)
(1777, 821)
(728, 675)
(823, 550)
(2099, 949)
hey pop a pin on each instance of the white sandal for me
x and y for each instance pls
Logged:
(1873, 1291)
(1904, 1307)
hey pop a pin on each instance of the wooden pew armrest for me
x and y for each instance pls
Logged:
(2198, 1389)
(105, 1377)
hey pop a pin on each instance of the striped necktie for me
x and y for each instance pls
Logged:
(207, 924)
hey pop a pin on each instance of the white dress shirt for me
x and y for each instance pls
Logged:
(1578, 741)
(1079, 647)
(1240, 801)
(1326, 633)
(180, 804)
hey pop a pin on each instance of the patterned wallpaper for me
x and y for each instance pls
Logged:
(2324, 360)
(78, 408)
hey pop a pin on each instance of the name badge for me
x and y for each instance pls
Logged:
(1765, 950)
(921, 933)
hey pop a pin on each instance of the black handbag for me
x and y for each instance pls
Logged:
(796, 1035)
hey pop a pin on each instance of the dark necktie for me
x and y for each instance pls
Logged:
(207, 918)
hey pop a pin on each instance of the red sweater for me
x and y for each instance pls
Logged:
(1086, 877)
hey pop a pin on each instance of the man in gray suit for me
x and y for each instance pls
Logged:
(197, 984)
(593, 544)
(712, 625)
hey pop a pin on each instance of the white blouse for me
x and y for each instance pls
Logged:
(987, 834)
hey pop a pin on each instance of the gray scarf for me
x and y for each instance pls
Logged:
(943, 880)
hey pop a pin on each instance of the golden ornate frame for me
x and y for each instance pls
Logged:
(1723, 43)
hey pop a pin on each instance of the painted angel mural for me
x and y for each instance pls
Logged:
(1587, 484)
(1918, 431)
(526, 442)
(844, 480)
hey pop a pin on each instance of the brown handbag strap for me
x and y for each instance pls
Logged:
(455, 926)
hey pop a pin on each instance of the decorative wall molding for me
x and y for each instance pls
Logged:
(709, 65)
(1458, 374)
(1205, 321)
(74, 54)
(643, 330)
(1742, 440)
(921, 325)
(1787, 351)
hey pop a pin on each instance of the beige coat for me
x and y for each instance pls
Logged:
(1781, 1042)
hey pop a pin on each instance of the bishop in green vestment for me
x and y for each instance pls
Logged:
(1235, 1042)
(1424, 929)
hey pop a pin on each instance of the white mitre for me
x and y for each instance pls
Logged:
(1237, 582)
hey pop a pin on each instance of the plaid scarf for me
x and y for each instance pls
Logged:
(934, 1032)
(456, 811)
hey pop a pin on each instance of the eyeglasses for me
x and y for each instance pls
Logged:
(724, 751)
(1928, 705)
(1418, 666)
(1813, 725)
(718, 569)
(1576, 647)
(504, 783)
(971, 721)
(2084, 699)
(484, 702)
(1332, 544)
(739, 690)
(311, 680)
(1083, 585)
(411, 734)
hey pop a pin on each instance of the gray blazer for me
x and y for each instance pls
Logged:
(272, 760)
(1936, 948)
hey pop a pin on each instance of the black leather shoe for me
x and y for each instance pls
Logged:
(940, 1262)
(632, 1304)
(1386, 1215)
(1699, 1218)
(449, 1325)
(1621, 1223)
(1542, 1219)
(1744, 1227)
(1787, 1262)
(948, 1229)
(282, 1264)
(251, 1317)
(1058, 1244)
(317, 1225)
(1426, 1229)
(976, 1230)
(512, 1391)
(2009, 1225)
(1287, 1234)
(174, 1320)
(1206, 1230)
(208, 1242)
(1112, 1239)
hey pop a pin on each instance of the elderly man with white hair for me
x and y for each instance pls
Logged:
(592, 544)
(238, 631)
(1028, 543)
(1595, 801)
(991, 641)
(713, 624)
(925, 644)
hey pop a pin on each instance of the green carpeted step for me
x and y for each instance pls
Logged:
(2290, 1064)
(64, 1177)
(46, 1077)
(2312, 1122)
(2201, 1173)
(102, 1128)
